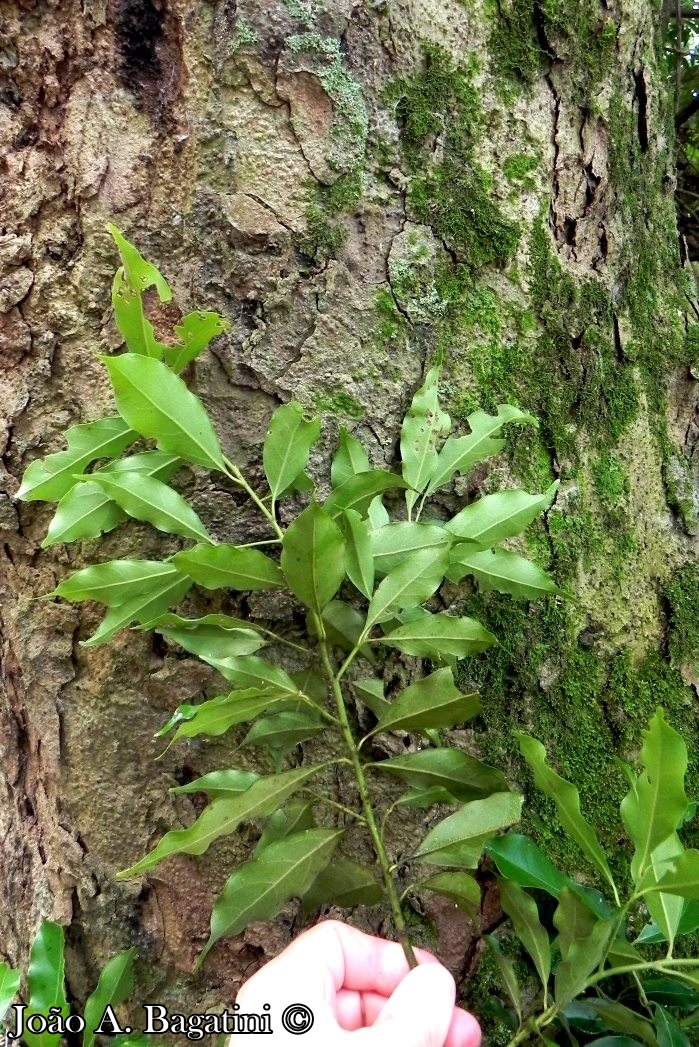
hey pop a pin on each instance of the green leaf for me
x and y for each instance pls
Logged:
(223, 816)
(432, 702)
(421, 799)
(424, 423)
(583, 941)
(158, 405)
(158, 464)
(507, 973)
(313, 557)
(217, 715)
(45, 981)
(395, 543)
(689, 922)
(215, 636)
(131, 320)
(359, 560)
(681, 878)
(459, 887)
(228, 567)
(116, 581)
(520, 860)
(194, 331)
(359, 491)
(440, 634)
(656, 802)
(524, 915)
(622, 1019)
(295, 817)
(377, 514)
(343, 883)
(287, 447)
(499, 569)
(281, 732)
(371, 693)
(349, 459)
(477, 820)
(458, 455)
(461, 775)
(219, 783)
(343, 627)
(154, 599)
(665, 909)
(48, 479)
(670, 1032)
(140, 274)
(498, 516)
(671, 992)
(114, 986)
(258, 889)
(251, 671)
(410, 584)
(144, 498)
(567, 800)
(9, 987)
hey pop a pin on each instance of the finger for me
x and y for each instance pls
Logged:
(355, 1010)
(418, 1014)
(464, 1030)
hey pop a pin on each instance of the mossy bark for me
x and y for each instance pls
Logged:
(361, 188)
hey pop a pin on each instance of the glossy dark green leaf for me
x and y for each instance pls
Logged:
(397, 542)
(689, 922)
(519, 859)
(359, 558)
(114, 986)
(313, 557)
(218, 783)
(9, 987)
(349, 459)
(131, 320)
(491, 519)
(458, 887)
(421, 799)
(410, 584)
(295, 817)
(287, 447)
(223, 816)
(345, 884)
(49, 479)
(462, 776)
(215, 636)
(158, 405)
(670, 1033)
(433, 702)
(229, 567)
(45, 982)
(524, 915)
(499, 569)
(281, 732)
(424, 424)
(478, 820)
(194, 332)
(671, 992)
(620, 1019)
(434, 635)
(507, 973)
(140, 274)
(145, 498)
(580, 1015)
(359, 491)
(258, 889)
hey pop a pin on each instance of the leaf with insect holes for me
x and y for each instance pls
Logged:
(459, 454)
(430, 703)
(287, 447)
(223, 816)
(502, 570)
(313, 557)
(259, 888)
(412, 583)
(493, 518)
(194, 331)
(145, 498)
(349, 459)
(50, 478)
(114, 986)
(45, 982)
(229, 567)
(140, 274)
(158, 405)
(434, 635)
(131, 320)
(422, 426)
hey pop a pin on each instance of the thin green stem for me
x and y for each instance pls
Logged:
(377, 839)
(650, 965)
(235, 474)
(254, 545)
(338, 806)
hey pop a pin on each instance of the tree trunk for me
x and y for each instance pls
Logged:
(360, 188)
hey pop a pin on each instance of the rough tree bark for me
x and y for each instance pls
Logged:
(358, 186)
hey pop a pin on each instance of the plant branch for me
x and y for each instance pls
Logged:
(338, 806)
(235, 474)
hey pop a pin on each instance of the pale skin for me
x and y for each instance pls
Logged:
(361, 992)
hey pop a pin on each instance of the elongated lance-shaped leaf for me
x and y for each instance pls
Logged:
(343, 883)
(349, 459)
(313, 557)
(158, 405)
(459, 887)
(670, 1032)
(145, 498)
(459, 773)
(344, 626)
(397, 542)
(499, 569)
(223, 816)
(583, 939)
(258, 889)
(524, 915)
(218, 783)
(434, 635)
(665, 909)
(131, 319)
(681, 877)
(491, 519)
(114, 986)
(614, 1016)
(154, 599)
(371, 693)
(140, 274)
(689, 922)
(459, 454)
(48, 479)
(249, 670)
(194, 332)
(422, 426)
(478, 820)
(217, 715)
(45, 982)
(431, 703)
(287, 447)
(359, 561)
(115, 582)
(520, 860)
(410, 584)
(295, 817)
(358, 492)
(214, 635)
(567, 800)
(229, 567)
(281, 732)
(9, 987)
(653, 808)
(507, 973)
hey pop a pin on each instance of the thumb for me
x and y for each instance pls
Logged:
(417, 1014)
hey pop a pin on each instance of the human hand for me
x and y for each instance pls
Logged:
(361, 993)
